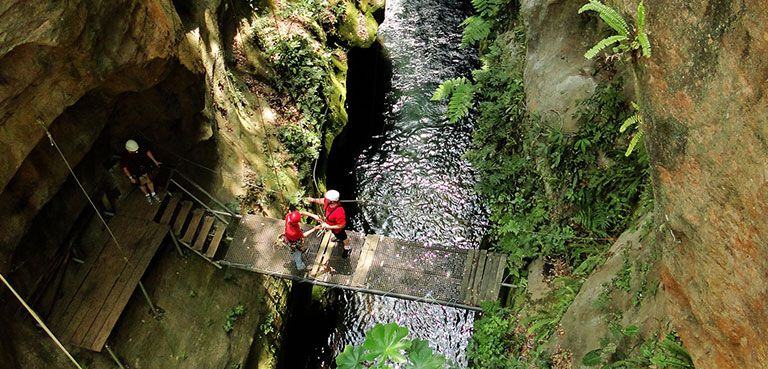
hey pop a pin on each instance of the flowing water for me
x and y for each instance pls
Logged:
(400, 153)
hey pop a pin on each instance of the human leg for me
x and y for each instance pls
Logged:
(147, 180)
(344, 241)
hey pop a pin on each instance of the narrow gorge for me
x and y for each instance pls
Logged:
(626, 188)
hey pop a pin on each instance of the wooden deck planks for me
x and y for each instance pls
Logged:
(181, 219)
(102, 290)
(107, 318)
(203, 235)
(491, 264)
(321, 254)
(493, 293)
(169, 210)
(189, 235)
(366, 258)
(218, 235)
(478, 280)
(468, 276)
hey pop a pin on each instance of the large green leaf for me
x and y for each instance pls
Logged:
(422, 356)
(350, 358)
(386, 341)
(592, 358)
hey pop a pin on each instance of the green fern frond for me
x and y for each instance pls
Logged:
(475, 29)
(641, 18)
(487, 8)
(608, 41)
(629, 121)
(609, 15)
(446, 88)
(645, 45)
(461, 101)
(461, 93)
(635, 140)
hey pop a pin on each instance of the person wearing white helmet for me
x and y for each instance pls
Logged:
(137, 163)
(335, 218)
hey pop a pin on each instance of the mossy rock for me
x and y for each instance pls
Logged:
(358, 27)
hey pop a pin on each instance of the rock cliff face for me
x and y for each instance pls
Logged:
(557, 75)
(704, 94)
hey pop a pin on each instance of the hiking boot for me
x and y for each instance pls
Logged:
(149, 199)
(156, 197)
(345, 253)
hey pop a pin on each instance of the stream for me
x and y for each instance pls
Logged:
(403, 159)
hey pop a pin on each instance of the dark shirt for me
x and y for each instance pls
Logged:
(137, 163)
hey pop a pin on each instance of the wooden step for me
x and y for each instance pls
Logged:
(186, 207)
(203, 235)
(169, 210)
(189, 235)
(218, 234)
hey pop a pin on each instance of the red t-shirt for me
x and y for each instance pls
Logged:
(334, 216)
(293, 231)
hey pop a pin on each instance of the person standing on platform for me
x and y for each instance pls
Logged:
(335, 219)
(137, 164)
(294, 236)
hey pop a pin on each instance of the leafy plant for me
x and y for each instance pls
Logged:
(232, 315)
(636, 120)
(624, 39)
(667, 353)
(460, 93)
(386, 345)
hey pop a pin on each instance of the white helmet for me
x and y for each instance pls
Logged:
(131, 145)
(332, 195)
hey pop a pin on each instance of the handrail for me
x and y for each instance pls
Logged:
(216, 214)
(201, 189)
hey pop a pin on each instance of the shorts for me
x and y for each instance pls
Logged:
(296, 245)
(341, 236)
(144, 179)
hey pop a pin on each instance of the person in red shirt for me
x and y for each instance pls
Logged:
(294, 236)
(335, 218)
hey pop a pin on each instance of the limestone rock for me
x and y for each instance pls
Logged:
(557, 75)
(705, 95)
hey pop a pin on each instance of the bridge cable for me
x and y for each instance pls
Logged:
(71, 171)
(40, 321)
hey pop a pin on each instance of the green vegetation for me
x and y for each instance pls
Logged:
(561, 196)
(232, 315)
(626, 40)
(385, 346)
(667, 353)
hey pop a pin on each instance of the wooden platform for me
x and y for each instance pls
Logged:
(86, 315)
(379, 265)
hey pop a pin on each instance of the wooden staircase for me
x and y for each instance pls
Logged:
(193, 226)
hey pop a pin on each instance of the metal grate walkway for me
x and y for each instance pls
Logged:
(378, 265)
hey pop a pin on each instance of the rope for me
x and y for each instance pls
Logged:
(71, 171)
(40, 321)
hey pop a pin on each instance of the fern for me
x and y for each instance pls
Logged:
(608, 41)
(486, 8)
(461, 93)
(635, 118)
(475, 29)
(626, 42)
(609, 15)
(635, 140)
(642, 36)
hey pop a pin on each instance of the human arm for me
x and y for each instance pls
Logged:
(128, 174)
(309, 232)
(325, 225)
(313, 200)
(152, 157)
(310, 215)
